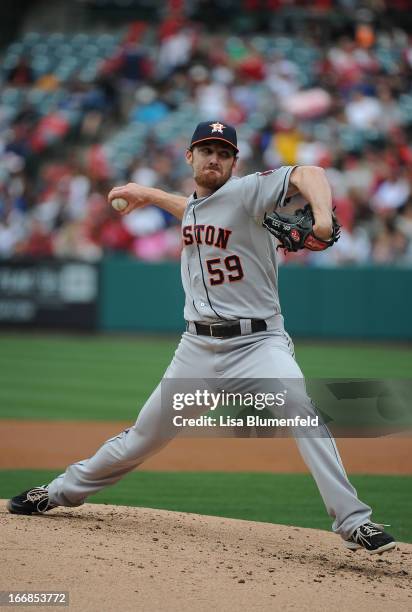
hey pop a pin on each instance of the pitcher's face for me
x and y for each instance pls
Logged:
(212, 163)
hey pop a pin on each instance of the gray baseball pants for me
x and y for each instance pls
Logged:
(267, 354)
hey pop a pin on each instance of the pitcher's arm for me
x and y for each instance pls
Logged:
(139, 196)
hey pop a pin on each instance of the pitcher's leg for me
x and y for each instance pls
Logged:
(114, 459)
(151, 432)
(273, 358)
(322, 457)
(339, 496)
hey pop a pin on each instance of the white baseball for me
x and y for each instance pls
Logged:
(120, 204)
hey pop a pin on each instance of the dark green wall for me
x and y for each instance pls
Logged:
(372, 302)
(140, 296)
(329, 302)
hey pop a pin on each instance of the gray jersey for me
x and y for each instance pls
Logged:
(229, 267)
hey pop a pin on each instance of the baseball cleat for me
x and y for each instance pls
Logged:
(372, 538)
(33, 501)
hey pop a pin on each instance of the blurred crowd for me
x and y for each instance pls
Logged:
(68, 133)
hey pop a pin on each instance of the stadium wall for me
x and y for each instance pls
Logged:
(137, 296)
(358, 303)
(122, 294)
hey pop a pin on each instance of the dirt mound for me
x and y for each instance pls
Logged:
(120, 558)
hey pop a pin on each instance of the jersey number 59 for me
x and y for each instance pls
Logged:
(220, 270)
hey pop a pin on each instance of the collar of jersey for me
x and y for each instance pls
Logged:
(194, 199)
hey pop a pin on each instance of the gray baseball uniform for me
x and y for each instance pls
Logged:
(229, 272)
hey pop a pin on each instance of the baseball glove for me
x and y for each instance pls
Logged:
(295, 231)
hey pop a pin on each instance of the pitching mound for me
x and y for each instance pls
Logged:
(120, 558)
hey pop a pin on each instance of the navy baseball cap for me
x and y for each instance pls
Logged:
(214, 130)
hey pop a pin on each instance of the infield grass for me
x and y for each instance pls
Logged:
(109, 378)
(289, 499)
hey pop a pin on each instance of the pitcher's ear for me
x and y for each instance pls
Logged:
(189, 156)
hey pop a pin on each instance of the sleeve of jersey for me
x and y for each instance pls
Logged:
(266, 191)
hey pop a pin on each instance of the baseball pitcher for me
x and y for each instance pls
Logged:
(234, 325)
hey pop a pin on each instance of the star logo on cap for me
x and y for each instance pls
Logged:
(217, 127)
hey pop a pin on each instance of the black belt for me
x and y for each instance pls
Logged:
(226, 329)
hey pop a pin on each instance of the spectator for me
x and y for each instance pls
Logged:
(299, 98)
(21, 74)
(393, 192)
(363, 112)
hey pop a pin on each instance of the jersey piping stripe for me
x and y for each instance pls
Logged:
(190, 282)
(283, 187)
(190, 286)
(203, 276)
(326, 428)
(292, 352)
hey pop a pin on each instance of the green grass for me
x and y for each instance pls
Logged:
(289, 499)
(97, 378)
(109, 378)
